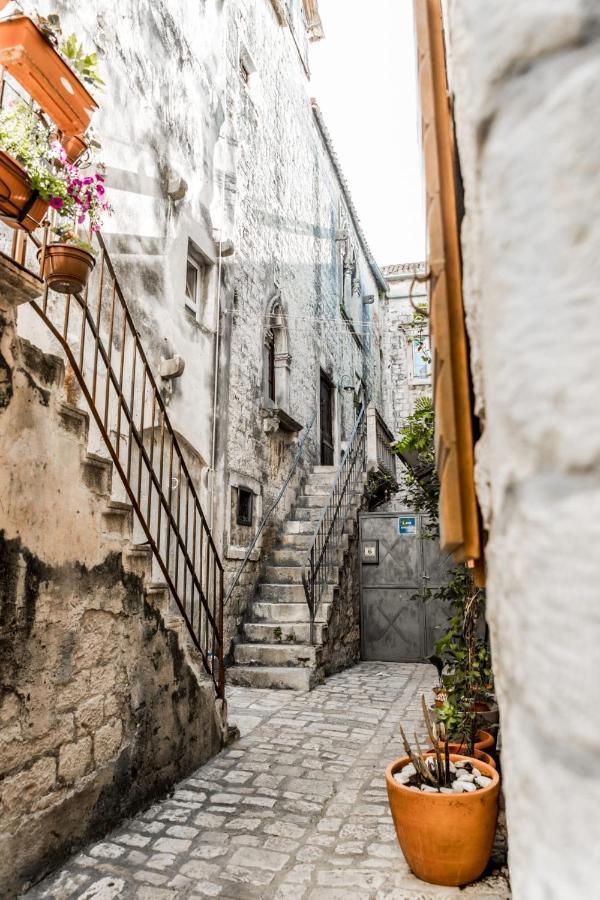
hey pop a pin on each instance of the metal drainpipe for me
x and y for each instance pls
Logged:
(217, 330)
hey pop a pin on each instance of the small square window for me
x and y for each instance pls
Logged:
(193, 284)
(244, 506)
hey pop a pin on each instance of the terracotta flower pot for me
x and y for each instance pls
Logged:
(74, 146)
(66, 267)
(483, 741)
(446, 838)
(478, 754)
(20, 206)
(46, 77)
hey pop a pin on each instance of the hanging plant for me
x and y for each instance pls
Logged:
(76, 193)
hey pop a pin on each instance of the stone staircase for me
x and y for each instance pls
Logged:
(114, 517)
(275, 651)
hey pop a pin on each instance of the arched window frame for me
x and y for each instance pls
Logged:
(277, 358)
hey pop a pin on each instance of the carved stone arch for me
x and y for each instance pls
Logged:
(277, 359)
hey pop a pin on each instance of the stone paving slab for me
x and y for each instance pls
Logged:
(295, 810)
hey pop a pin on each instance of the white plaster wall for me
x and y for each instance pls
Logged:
(526, 79)
(163, 112)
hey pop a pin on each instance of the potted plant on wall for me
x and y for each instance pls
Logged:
(444, 807)
(50, 70)
(76, 195)
(68, 261)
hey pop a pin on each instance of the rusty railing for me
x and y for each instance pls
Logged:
(99, 338)
(323, 553)
(379, 438)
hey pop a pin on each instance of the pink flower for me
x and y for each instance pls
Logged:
(56, 202)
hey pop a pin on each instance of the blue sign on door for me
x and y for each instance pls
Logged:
(407, 525)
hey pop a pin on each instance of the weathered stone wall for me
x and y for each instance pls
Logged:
(291, 210)
(342, 647)
(400, 386)
(258, 175)
(526, 82)
(101, 706)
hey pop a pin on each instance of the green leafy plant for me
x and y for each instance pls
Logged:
(379, 488)
(462, 655)
(277, 633)
(77, 195)
(420, 486)
(85, 64)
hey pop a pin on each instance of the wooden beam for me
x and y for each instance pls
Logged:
(460, 531)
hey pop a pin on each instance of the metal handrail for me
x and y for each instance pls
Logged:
(322, 553)
(386, 459)
(99, 338)
(265, 518)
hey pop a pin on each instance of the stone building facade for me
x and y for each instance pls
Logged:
(525, 82)
(253, 290)
(407, 369)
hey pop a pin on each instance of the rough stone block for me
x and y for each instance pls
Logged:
(74, 759)
(21, 789)
(107, 741)
(90, 714)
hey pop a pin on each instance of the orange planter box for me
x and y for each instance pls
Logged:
(20, 207)
(46, 77)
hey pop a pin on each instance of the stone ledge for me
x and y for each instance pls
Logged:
(17, 284)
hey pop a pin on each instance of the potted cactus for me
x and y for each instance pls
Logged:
(445, 807)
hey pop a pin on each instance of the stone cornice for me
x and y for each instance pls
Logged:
(313, 20)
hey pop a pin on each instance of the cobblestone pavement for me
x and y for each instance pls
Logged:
(295, 809)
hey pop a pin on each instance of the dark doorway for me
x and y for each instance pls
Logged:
(326, 412)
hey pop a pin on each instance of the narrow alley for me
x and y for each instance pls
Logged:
(296, 808)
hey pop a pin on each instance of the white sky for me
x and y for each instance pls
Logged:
(364, 79)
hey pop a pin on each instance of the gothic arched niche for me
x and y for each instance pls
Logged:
(277, 358)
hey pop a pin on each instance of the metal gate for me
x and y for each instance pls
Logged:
(397, 564)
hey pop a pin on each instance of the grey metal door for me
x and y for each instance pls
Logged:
(397, 564)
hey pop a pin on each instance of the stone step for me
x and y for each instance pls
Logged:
(286, 613)
(287, 556)
(285, 653)
(287, 593)
(118, 518)
(97, 473)
(317, 489)
(308, 515)
(293, 574)
(324, 470)
(269, 633)
(296, 526)
(311, 501)
(159, 596)
(296, 541)
(138, 559)
(74, 420)
(275, 677)
(46, 368)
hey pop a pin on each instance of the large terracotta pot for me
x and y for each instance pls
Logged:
(33, 61)
(446, 838)
(67, 268)
(20, 206)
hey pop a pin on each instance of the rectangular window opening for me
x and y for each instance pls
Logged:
(244, 506)
(421, 357)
